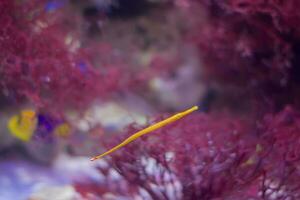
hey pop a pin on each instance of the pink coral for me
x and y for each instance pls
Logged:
(197, 158)
(41, 59)
(37, 64)
(208, 157)
(281, 165)
(250, 45)
(247, 40)
(253, 46)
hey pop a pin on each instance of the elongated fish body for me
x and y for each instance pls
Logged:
(148, 130)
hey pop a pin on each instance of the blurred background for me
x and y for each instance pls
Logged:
(78, 76)
(131, 55)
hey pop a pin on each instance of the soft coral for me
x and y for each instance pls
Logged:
(37, 63)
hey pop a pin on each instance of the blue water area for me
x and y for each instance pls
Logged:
(18, 179)
(82, 66)
(54, 5)
(46, 126)
(46, 122)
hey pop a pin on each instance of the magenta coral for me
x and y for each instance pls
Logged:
(44, 58)
(34, 62)
(39, 60)
(281, 165)
(253, 46)
(195, 159)
(250, 45)
(208, 157)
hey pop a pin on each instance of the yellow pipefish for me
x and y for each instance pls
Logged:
(22, 126)
(148, 130)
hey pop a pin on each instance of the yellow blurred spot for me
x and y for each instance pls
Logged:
(63, 130)
(250, 161)
(258, 148)
(148, 130)
(22, 126)
(145, 58)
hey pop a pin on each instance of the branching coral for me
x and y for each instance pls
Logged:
(252, 45)
(36, 63)
(44, 59)
(208, 157)
(194, 159)
(281, 165)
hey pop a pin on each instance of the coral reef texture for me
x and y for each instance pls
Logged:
(64, 57)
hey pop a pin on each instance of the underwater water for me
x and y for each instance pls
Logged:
(149, 100)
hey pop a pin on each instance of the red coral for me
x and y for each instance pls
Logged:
(39, 60)
(37, 64)
(243, 43)
(196, 158)
(255, 46)
(281, 165)
(251, 44)
(210, 157)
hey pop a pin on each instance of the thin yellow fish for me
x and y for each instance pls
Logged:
(22, 126)
(148, 130)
